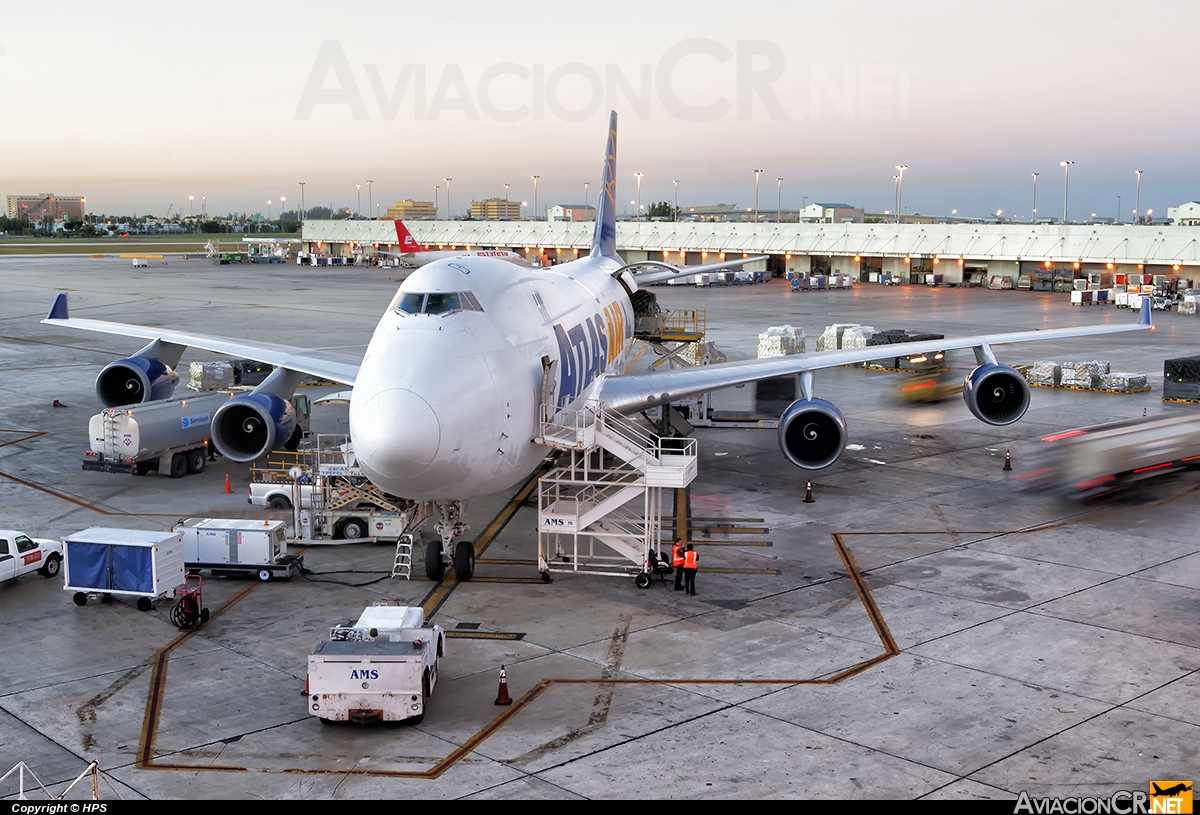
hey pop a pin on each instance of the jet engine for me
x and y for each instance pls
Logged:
(812, 433)
(996, 394)
(250, 425)
(135, 380)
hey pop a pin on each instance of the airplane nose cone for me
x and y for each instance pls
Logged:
(396, 435)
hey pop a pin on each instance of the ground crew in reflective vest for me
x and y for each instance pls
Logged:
(677, 562)
(690, 564)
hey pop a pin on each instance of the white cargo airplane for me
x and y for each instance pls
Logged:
(447, 400)
(414, 253)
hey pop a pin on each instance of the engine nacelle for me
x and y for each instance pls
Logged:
(812, 433)
(996, 394)
(250, 425)
(135, 380)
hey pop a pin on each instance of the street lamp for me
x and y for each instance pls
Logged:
(523, 205)
(757, 173)
(535, 209)
(900, 193)
(449, 212)
(436, 201)
(506, 193)
(586, 200)
(1066, 165)
(282, 201)
(779, 200)
(675, 214)
(1034, 215)
(1137, 201)
(358, 209)
(896, 195)
(301, 183)
(370, 198)
(191, 198)
(638, 176)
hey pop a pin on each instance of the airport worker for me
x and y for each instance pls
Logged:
(690, 563)
(677, 562)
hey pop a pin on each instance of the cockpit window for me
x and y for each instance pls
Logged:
(441, 303)
(411, 303)
(437, 302)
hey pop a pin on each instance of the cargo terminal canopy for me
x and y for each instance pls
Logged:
(1005, 249)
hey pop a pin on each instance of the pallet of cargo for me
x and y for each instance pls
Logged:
(1181, 401)
(1096, 390)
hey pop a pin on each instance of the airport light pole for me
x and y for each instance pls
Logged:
(1033, 217)
(900, 193)
(1066, 165)
(1118, 210)
(449, 212)
(204, 206)
(436, 201)
(896, 195)
(506, 195)
(586, 200)
(370, 197)
(535, 209)
(191, 198)
(358, 208)
(757, 173)
(282, 202)
(1137, 200)
(301, 183)
(638, 176)
(675, 214)
(779, 201)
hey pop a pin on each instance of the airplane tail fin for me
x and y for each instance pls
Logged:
(604, 239)
(407, 242)
(1144, 317)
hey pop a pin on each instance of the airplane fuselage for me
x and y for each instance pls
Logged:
(446, 402)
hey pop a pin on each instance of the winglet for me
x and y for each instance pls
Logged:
(58, 311)
(604, 238)
(1144, 316)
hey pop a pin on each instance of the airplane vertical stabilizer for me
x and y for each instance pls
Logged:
(407, 242)
(604, 239)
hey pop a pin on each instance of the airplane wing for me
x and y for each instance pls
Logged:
(635, 392)
(331, 366)
(669, 272)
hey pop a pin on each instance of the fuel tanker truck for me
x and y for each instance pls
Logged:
(171, 436)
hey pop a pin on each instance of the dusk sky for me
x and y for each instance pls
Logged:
(139, 105)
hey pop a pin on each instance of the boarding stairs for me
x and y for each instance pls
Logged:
(402, 564)
(601, 512)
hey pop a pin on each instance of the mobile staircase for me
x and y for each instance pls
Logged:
(601, 513)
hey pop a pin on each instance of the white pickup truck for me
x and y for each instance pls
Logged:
(381, 668)
(21, 554)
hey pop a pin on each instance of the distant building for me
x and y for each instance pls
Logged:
(496, 209)
(832, 214)
(717, 212)
(411, 210)
(45, 206)
(571, 212)
(1185, 214)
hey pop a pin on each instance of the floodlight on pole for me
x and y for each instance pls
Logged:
(779, 200)
(449, 212)
(370, 198)
(900, 193)
(1033, 217)
(535, 208)
(757, 173)
(1066, 165)
(302, 183)
(638, 203)
(1137, 200)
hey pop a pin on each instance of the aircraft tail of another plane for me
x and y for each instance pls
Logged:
(604, 239)
(407, 242)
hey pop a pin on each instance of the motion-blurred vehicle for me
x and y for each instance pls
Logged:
(926, 387)
(1091, 461)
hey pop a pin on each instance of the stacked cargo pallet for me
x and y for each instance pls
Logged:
(1085, 375)
(831, 337)
(1181, 379)
(781, 341)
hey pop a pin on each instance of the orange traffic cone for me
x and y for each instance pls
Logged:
(808, 498)
(1007, 461)
(502, 697)
(228, 488)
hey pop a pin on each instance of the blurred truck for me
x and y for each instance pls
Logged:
(171, 436)
(1091, 461)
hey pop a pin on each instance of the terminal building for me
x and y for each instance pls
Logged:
(1043, 256)
(45, 206)
(571, 212)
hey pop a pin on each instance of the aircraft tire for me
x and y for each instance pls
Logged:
(435, 569)
(464, 561)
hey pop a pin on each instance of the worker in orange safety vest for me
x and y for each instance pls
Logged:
(677, 562)
(690, 563)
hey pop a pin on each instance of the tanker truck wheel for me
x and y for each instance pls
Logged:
(179, 465)
(195, 462)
